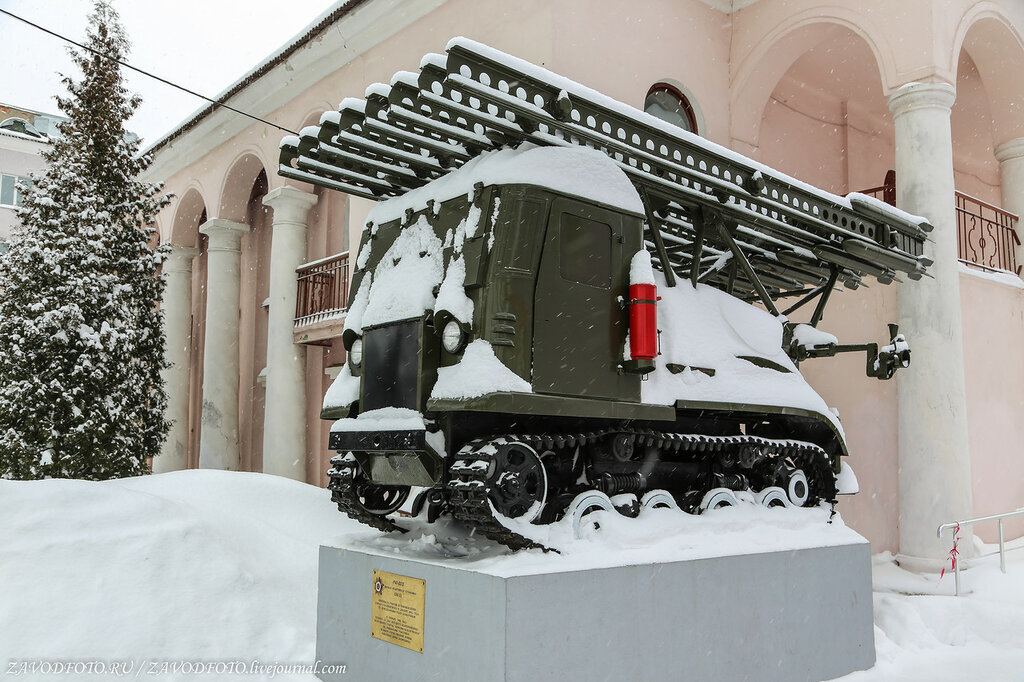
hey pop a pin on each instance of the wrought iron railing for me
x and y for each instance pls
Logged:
(323, 290)
(986, 234)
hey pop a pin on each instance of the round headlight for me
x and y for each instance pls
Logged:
(452, 337)
(355, 353)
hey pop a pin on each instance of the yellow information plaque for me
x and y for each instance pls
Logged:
(396, 609)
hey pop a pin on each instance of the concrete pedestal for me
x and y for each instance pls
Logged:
(789, 615)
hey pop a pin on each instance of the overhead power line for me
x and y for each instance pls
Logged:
(126, 65)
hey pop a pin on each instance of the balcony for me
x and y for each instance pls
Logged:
(322, 300)
(986, 235)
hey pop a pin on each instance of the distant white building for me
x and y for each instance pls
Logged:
(24, 134)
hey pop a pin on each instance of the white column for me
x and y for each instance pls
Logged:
(284, 421)
(177, 307)
(218, 436)
(1011, 173)
(934, 461)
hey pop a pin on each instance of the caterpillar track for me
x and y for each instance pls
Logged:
(470, 495)
(489, 475)
(343, 483)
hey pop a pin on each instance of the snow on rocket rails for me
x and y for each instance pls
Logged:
(791, 235)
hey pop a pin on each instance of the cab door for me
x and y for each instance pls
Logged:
(579, 325)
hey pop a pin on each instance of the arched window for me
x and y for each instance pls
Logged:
(20, 125)
(666, 102)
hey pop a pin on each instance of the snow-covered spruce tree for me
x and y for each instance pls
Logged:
(81, 339)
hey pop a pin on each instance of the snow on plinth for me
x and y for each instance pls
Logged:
(656, 536)
(213, 565)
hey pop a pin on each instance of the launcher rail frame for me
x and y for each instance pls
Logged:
(711, 214)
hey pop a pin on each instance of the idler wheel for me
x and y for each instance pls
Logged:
(717, 498)
(381, 499)
(517, 485)
(797, 488)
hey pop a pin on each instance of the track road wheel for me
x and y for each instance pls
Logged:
(718, 497)
(773, 496)
(517, 484)
(658, 499)
(583, 504)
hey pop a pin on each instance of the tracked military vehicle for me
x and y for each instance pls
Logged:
(515, 351)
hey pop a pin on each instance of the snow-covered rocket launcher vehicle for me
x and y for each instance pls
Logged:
(512, 352)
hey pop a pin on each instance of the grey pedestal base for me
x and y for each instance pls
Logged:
(788, 615)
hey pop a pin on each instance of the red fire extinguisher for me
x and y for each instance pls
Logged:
(643, 327)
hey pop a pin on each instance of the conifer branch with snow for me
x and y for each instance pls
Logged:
(81, 338)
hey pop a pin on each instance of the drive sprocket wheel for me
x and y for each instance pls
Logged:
(517, 484)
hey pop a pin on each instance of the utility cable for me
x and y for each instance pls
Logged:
(126, 65)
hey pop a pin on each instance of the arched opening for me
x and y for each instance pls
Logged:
(188, 216)
(975, 169)
(825, 121)
(988, 112)
(198, 337)
(987, 118)
(241, 201)
(998, 57)
(237, 188)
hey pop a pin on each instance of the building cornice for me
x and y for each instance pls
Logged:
(23, 143)
(345, 33)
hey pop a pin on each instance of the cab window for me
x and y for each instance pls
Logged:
(585, 251)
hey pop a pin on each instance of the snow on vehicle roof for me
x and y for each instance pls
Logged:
(577, 171)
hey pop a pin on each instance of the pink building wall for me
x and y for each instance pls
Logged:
(798, 84)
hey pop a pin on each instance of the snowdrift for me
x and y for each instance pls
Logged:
(221, 566)
(195, 565)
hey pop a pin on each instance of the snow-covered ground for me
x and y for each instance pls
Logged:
(218, 566)
(923, 633)
(193, 565)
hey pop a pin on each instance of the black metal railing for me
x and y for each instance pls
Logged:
(986, 234)
(323, 290)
